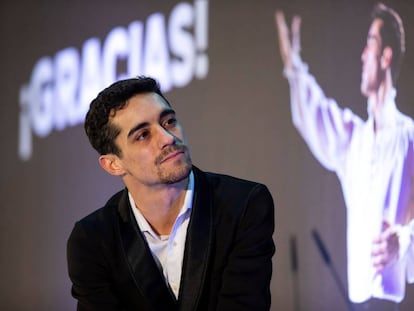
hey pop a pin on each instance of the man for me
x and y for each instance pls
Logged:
(175, 238)
(374, 160)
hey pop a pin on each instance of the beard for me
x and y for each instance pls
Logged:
(171, 173)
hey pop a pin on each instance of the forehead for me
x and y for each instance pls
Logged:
(374, 29)
(141, 107)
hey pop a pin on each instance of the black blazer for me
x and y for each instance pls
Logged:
(227, 261)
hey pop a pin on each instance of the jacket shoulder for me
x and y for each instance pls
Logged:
(233, 191)
(104, 215)
(231, 184)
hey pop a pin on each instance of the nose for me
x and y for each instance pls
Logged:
(363, 54)
(165, 138)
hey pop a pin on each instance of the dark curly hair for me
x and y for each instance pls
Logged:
(100, 131)
(392, 35)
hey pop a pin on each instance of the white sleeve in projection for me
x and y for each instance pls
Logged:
(326, 128)
(410, 252)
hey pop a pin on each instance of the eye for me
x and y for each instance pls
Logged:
(170, 122)
(142, 135)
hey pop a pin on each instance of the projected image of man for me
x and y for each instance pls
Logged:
(373, 158)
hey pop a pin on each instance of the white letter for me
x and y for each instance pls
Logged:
(182, 44)
(156, 58)
(25, 133)
(91, 77)
(116, 46)
(41, 97)
(66, 84)
(135, 49)
(201, 37)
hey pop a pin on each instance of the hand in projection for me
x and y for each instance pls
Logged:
(288, 46)
(385, 247)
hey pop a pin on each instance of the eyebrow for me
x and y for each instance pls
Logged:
(139, 126)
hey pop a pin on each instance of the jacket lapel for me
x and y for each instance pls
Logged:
(144, 270)
(198, 245)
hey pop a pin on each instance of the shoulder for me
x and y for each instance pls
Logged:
(405, 126)
(236, 203)
(217, 180)
(233, 189)
(101, 219)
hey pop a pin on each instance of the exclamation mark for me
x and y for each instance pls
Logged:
(201, 38)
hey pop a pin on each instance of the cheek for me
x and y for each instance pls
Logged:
(373, 65)
(139, 158)
(371, 59)
(180, 134)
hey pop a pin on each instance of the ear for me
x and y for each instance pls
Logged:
(386, 58)
(112, 164)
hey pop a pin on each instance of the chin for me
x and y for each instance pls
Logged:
(364, 90)
(177, 174)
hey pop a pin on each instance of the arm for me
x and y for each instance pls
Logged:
(408, 238)
(246, 277)
(326, 128)
(385, 247)
(396, 242)
(410, 252)
(89, 272)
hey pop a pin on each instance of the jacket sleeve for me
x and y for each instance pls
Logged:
(246, 277)
(89, 273)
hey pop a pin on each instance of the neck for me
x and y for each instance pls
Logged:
(160, 205)
(377, 98)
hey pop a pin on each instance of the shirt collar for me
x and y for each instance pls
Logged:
(387, 112)
(143, 224)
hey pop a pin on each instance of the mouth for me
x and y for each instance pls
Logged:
(172, 154)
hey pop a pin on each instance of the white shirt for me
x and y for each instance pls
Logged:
(168, 251)
(376, 174)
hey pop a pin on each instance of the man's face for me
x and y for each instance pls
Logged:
(371, 56)
(152, 142)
